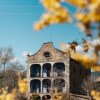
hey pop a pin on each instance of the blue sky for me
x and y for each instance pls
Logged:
(16, 27)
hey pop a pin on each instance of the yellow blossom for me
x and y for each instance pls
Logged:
(23, 87)
(82, 17)
(51, 4)
(95, 94)
(2, 97)
(78, 3)
(95, 16)
(10, 96)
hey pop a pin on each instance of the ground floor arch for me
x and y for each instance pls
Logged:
(46, 97)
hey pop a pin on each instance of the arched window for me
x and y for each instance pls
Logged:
(59, 69)
(35, 70)
(46, 70)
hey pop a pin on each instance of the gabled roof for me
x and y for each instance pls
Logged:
(56, 54)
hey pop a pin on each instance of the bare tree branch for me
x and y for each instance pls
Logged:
(6, 55)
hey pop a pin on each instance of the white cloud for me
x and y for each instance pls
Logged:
(79, 49)
(15, 60)
(94, 42)
(64, 46)
(25, 53)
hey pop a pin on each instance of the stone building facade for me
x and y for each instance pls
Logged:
(51, 69)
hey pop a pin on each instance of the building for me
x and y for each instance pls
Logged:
(50, 69)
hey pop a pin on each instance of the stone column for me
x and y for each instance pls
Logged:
(67, 75)
(51, 77)
(41, 86)
(28, 78)
(41, 97)
(41, 77)
(65, 78)
(41, 70)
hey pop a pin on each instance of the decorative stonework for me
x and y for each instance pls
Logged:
(55, 54)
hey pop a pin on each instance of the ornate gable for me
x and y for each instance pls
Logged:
(47, 53)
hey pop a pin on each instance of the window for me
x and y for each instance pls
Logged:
(46, 54)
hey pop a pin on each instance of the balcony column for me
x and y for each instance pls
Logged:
(41, 75)
(41, 86)
(51, 71)
(65, 78)
(67, 75)
(51, 77)
(41, 70)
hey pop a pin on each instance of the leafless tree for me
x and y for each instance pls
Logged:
(16, 66)
(6, 55)
(9, 68)
(11, 76)
(87, 85)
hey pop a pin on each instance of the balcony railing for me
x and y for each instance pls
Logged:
(54, 74)
(35, 75)
(58, 74)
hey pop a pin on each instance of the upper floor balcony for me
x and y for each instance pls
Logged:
(47, 70)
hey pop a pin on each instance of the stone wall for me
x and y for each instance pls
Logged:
(78, 77)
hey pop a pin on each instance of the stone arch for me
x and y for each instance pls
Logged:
(59, 69)
(35, 86)
(46, 70)
(35, 70)
(46, 97)
(36, 96)
(46, 85)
